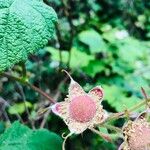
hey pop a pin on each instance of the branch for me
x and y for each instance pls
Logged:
(45, 118)
(123, 114)
(25, 106)
(24, 71)
(60, 43)
(56, 97)
(24, 82)
(6, 104)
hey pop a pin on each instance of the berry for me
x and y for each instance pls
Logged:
(82, 108)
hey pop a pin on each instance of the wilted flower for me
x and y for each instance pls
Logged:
(137, 135)
(81, 110)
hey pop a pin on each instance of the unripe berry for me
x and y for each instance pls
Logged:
(82, 108)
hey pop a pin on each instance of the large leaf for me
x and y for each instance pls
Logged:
(19, 137)
(25, 26)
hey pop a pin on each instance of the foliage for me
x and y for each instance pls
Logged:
(93, 40)
(25, 27)
(21, 137)
(74, 63)
(99, 42)
(19, 108)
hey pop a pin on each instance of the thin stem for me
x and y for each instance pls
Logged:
(20, 80)
(139, 105)
(59, 40)
(24, 71)
(123, 114)
(5, 114)
(145, 96)
(45, 118)
(48, 110)
(103, 135)
(25, 106)
(6, 104)
(68, 15)
(144, 93)
(42, 93)
(69, 58)
(110, 127)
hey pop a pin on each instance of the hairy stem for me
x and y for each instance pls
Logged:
(110, 127)
(103, 135)
(123, 114)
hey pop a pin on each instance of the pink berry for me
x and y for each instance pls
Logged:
(82, 108)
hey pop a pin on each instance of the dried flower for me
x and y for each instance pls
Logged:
(81, 110)
(137, 135)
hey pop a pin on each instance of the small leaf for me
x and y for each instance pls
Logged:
(19, 108)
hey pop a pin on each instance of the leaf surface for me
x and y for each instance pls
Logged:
(25, 26)
(19, 137)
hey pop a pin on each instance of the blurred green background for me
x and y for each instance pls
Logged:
(100, 42)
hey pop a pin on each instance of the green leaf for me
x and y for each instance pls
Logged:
(93, 40)
(25, 26)
(116, 97)
(19, 108)
(94, 5)
(19, 137)
(110, 35)
(78, 58)
(131, 50)
(94, 67)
